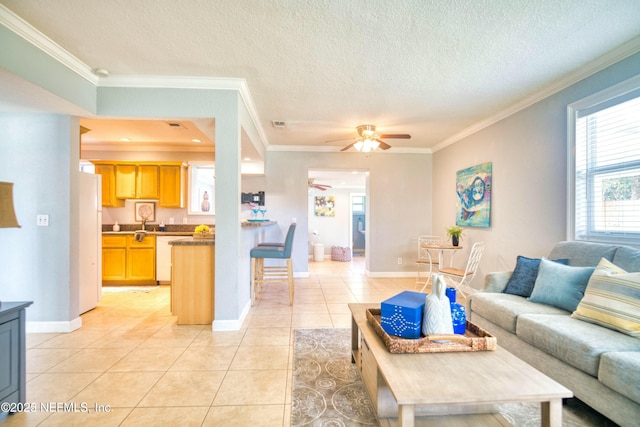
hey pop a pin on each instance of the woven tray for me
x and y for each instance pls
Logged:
(475, 339)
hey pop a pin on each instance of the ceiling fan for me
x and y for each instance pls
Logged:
(369, 140)
(321, 187)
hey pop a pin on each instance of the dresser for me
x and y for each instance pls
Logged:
(12, 351)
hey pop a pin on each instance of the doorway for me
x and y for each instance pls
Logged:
(340, 189)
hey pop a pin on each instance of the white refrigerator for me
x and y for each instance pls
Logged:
(90, 244)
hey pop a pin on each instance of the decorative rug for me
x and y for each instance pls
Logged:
(119, 289)
(328, 390)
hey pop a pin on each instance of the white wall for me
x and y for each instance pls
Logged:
(529, 155)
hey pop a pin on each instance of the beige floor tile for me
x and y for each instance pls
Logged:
(314, 308)
(148, 359)
(185, 388)
(42, 359)
(243, 416)
(36, 339)
(169, 417)
(223, 338)
(23, 419)
(58, 387)
(270, 321)
(262, 336)
(261, 357)
(76, 339)
(118, 389)
(165, 341)
(255, 387)
(312, 321)
(341, 320)
(105, 417)
(205, 359)
(91, 360)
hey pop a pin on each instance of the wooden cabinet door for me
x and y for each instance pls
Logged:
(108, 174)
(171, 185)
(126, 181)
(9, 350)
(147, 182)
(114, 262)
(141, 264)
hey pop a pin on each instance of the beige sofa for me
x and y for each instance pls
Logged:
(600, 365)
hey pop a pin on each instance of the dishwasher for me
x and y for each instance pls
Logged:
(163, 258)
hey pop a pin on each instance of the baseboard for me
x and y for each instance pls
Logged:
(232, 325)
(53, 327)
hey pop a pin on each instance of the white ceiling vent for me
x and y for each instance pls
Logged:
(278, 123)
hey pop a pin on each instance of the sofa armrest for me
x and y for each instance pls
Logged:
(497, 281)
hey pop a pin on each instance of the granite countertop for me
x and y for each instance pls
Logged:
(191, 241)
(153, 233)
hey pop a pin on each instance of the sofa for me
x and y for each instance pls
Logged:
(584, 344)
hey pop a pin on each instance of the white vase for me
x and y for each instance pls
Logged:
(437, 315)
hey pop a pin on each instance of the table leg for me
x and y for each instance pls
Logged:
(551, 413)
(354, 339)
(406, 415)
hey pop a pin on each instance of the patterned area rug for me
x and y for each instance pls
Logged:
(328, 390)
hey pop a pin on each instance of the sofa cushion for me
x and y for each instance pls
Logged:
(612, 299)
(583, 254)
(560, 285)
(579, 344)
(524, 275)
(504, 309)
(620, 371)
(627, 258)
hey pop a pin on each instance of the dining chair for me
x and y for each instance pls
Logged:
(277, 273)
(427, 258)
(462, 278)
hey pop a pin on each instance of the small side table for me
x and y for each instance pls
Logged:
(13, 351)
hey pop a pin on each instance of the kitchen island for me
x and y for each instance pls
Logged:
(193, 280)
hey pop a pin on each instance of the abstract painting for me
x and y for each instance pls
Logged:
(473, 188)
(325, 206)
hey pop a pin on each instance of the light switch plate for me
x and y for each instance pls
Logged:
(43, 220)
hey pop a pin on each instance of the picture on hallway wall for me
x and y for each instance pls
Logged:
(325, 206)
(473, 204)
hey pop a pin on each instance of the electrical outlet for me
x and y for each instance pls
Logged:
(43, 220)
(399, 261)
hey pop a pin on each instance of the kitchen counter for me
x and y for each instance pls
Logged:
(192, 241)
(152, 233)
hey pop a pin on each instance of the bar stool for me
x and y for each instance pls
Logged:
(261, 273)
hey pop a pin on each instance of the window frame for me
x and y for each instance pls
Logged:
(606, 96)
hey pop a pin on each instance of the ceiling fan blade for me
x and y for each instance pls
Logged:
(341, 139)
(347, 147)
(395, 136)
(383, 145)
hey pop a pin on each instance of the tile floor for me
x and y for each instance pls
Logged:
(132, 362)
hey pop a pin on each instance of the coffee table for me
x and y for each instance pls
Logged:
(406, 385)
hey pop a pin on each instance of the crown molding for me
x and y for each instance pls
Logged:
(149, 147)
(623, 51)
(334, 149)
(23, 29)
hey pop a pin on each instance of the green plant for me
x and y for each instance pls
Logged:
(455, 231)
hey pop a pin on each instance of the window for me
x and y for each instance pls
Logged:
(201, 189)
(605, 165)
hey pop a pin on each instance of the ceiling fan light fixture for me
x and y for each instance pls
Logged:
(358, 145)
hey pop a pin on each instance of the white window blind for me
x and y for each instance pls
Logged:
(606, 166)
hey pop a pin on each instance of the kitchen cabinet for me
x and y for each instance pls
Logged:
(172, 184)
(127, 261)
(193, 281)
(108, 174)
(13, 352)
(136, 181)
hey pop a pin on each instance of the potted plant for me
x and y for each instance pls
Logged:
(455, 232)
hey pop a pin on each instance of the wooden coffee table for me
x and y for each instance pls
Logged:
(406, 385)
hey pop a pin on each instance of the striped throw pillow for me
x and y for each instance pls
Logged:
(612, 299)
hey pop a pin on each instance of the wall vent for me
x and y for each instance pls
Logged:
(278, 123)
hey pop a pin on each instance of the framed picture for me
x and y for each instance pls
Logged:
(145, 211)
(325, 206)
(473, 202)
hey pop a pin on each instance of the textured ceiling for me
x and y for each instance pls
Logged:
(431, 68)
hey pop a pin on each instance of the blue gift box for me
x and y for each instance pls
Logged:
(401, 315)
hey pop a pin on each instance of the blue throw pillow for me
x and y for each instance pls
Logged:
(524, 276)
(560, 285)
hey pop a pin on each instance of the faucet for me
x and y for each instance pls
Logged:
(144, 222)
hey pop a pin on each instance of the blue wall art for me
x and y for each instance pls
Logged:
(473, 204)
